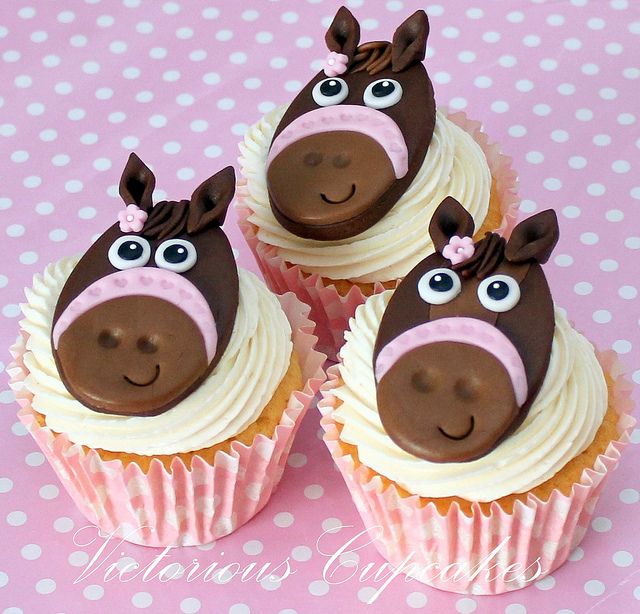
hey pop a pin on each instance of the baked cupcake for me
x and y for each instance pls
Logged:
(470, 421)
(132, 371)
(338, 187)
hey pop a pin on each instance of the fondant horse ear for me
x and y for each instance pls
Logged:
(343, 34)
(450, 219)
(137, 183)
(534, 238)
(410, 41)
(210, 201)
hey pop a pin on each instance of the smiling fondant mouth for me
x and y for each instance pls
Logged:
(339, 202)
(151, 381)
(460, 437)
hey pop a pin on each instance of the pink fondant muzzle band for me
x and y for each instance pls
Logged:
(144, 281)
(350, 118)
(458, 330)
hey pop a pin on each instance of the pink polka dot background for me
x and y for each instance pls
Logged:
(85, 83)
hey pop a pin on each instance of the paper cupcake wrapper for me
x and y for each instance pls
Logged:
(407, 531)
(332, 311)
(185, 506)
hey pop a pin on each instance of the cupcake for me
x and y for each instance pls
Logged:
(474, 427)
(164, 384)
(338, 187)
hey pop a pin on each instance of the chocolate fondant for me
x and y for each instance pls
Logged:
(456, 376)
(350, 144)
(145, 316)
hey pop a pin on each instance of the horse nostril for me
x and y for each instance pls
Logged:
(341, 161)
(147, 345)
(467, 388)
(313, 158)
(109, 339)
(425, 380)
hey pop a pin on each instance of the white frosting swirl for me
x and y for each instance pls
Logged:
(222, 406)
(561, 423)
(455, 165)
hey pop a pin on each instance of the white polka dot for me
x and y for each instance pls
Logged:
(73, 186)
(226, 104)
(4, 579)
(366, 593)
(158, 53)
(318, 588)
(566, 89)
(620, 166)
(16, 518)
(63, 524)
(19, 430)
(458, 103)
(6, 485)
(596, 189)
(626, 119)
(117, 117)
(608, 265)
(450, 32)
(584, 115)
(23, 81)
(628, 292)
(595, 23)
(515, 608)
(491, 37)
(563, 260)
(78, 558)
(524, 85)
(31, 552)
(601, 524)
(213, 151)
(313, 491)
(583, 288)
(190, 605)
(278, 62)
(142, 600)
(466, 605)
(541, 110)
(45, 208)
(297, 460)
(622, 346)
(442, 77)
(199, 125)
(602, 316)
(15, 230)
(34, 459)
(253, 547)
(49, 491)
(131, 72)
(546, 583)
(11, 56)
(292, 86)
(283, 519)
(500, 106)
(517, 130)
(552, 184)
(466, 57)
(572, 44)
(170, 76)
(595, 588)
(35, 108)
(534, 157)
(301, 553)
(602, 140)
(264, 37)
(11, 311)
(515, 17)
(622, 558)
(416, 600)
(589, 238)
(253, 83)
(577, 554)
(89, 138)
(185, 173)
(614, 215)
(629, 495)
(28, 257)
(483, 82)
(184, 33)
(571, 211)
(45, 586)
(32, 181)
(238, 57)
(93, 592)
(198, 55)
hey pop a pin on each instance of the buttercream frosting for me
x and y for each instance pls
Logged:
(561, 423)
(454, 166)
(222, 406)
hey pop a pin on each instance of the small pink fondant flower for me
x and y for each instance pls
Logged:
(335, 64)
(459, 249)
(132, 219)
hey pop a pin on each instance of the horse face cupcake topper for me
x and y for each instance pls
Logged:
(148, 311)
(355, 137)
(464, 344)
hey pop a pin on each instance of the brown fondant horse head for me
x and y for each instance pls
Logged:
(353, 140)
(148, 311)
(464, 344)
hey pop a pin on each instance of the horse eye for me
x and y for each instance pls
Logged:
(176, 255)
(499, 293)
(330, 91)
(382, 94)
(439, 286)
(129, 252)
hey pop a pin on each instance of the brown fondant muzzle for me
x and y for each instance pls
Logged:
(329, 177)
(118, 359)
(455, 401)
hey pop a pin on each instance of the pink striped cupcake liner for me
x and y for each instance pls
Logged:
(184, 506)
(469, 554)
(331, 310)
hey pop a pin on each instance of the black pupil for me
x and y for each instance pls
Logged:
(441, 282)
(331, 87)
(130, 250)
(175, 254)
(382, 88)
(498, 290)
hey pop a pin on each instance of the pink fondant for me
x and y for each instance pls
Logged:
(132, 219)
(458, 330)
(351, 118)
(459, 249)
(144, 281)
(335, 64)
